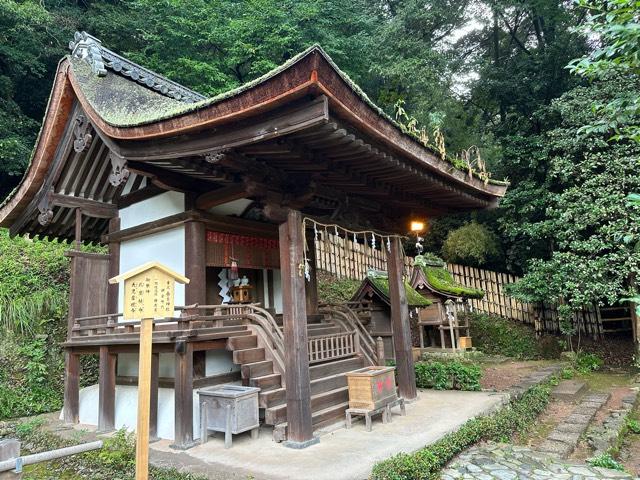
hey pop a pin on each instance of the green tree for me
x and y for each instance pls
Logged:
(472, 244)
(616, 25)
(587, 219)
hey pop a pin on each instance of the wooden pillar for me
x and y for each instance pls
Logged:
(194, 263)
(311, 286)
(183, 436)
(195, 269)
(114, 267)
(71, 409)
(400, 323)
(106, 390)
(78, 233)
(153, 410)
(298, 392)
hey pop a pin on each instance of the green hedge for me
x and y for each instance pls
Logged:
(453, 375)
(427, 463)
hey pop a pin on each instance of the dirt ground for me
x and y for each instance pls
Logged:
(501, 376)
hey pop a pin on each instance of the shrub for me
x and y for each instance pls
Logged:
(605, 460)
(453, 375)
(426, 463)
(498, 336)
(472, 244)
(587, 362)
(633, 426)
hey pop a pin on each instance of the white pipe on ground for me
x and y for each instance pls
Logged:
(50, 455)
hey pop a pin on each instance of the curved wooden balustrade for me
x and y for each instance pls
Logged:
(347, 318)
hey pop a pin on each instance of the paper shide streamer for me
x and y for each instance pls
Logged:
(321, 233)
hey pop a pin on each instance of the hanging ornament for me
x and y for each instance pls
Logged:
(373, 241)
(316, 234)
(307, 270)
(233, 271)
(355, 240)
(388, 244)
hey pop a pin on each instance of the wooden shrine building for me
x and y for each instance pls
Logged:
(372, 301)
(226, 191)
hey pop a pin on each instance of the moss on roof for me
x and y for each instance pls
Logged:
(122, 102)
(153, 107)
(442, 281)
(414, 299)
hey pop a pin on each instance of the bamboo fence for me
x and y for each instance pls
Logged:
(344, 258)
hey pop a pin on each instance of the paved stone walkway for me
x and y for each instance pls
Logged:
(494, 461)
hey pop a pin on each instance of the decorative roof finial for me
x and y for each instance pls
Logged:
(87, 47)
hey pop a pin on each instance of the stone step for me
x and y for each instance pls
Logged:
(563, 439)
(569, 390)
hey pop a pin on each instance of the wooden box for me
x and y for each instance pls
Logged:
(371, 387)
(464, 343)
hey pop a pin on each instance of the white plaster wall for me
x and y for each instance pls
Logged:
(165, 247)
(218, 362)
(127, 409)
(277, 291)
(154, 208)
(128, 365)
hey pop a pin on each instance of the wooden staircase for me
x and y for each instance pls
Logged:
(329, 392)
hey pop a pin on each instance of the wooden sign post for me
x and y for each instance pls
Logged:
(148, 293)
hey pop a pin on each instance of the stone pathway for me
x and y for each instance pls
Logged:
(564, 438)
(493, 461)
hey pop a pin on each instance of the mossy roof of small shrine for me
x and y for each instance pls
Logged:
(381, 287)
(441, 281)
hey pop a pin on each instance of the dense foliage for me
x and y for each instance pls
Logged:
(451, 375)
(495, 335)
(587, 219)
(519, 416)
(615, 23)
(34, 282)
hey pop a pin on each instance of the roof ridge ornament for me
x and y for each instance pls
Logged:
(90, 49)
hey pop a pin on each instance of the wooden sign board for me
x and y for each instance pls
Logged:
(149, 291)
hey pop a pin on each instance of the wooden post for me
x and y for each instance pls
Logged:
(78, 239)
(183, 436)
(71, 409)
(311, 286)
(380, 351)
(153, 409)
(114, 267)
(298, 392)
(107, 390)
(195, 263)
(144, 399)
(400, 322)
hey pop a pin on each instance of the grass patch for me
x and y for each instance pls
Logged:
(116, 460)
(518, 417)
